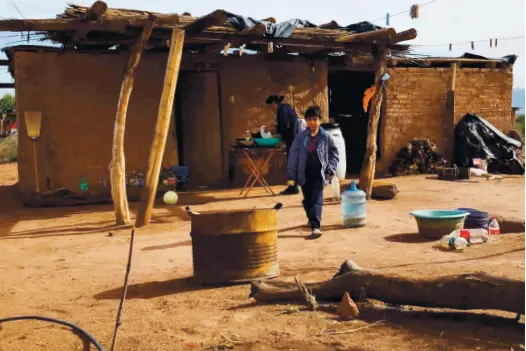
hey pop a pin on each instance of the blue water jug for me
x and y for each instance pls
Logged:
(353, 207)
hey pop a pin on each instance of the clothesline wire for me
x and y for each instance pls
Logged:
(471, 41)
(402, 12)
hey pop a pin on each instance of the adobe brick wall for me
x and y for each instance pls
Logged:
(485, 92)
(416, 106)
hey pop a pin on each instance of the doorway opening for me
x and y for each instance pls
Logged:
(346, 92)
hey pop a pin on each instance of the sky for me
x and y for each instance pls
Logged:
(440, 22)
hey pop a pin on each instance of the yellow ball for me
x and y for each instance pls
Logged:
(170, 198)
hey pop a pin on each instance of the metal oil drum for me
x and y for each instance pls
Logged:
(234, 246)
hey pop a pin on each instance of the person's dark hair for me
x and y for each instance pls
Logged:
(274, 99)
(313, 111)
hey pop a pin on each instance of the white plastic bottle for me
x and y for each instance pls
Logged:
(451, 241)
(477, 236)
(335, 184)
(494, 228)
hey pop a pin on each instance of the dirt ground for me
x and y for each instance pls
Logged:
(61, 263)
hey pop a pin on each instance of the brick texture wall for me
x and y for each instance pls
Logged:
(416, 106)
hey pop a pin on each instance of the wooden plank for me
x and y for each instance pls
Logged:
(4, 62)
(161, 128)
(384, 35)
(7, 85)
(369, 161)
(216, 18)
(117, 166)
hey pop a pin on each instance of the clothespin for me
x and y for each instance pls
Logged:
(387, 19)
(225, 49)
(450, 46)
(491, 43)
(496, 42)
(472, 46)
(242, 49)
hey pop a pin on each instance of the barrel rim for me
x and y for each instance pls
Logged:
(224, 212)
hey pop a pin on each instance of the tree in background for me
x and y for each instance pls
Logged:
(7, 104)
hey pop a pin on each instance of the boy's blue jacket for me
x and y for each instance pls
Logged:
(297, 160)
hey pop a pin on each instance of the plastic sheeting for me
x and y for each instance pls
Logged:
(477, 138)
(285, 29)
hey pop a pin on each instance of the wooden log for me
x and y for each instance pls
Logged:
(216, 18)
(95, 11)
(384, 192)
(383, 35)
(464, 291)
(7, 85)
(4, 62)
(117, 166)
(406, 35)
(369, 161)
(161, 128)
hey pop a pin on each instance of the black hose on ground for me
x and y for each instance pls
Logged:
(57, 321)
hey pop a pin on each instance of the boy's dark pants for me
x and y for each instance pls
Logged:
(313, 200)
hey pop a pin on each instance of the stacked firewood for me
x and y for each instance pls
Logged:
(418, 157)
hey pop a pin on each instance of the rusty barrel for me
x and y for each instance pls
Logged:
(234, 246)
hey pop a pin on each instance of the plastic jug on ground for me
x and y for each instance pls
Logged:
(494, 228)
(353, 207)
(453, 242)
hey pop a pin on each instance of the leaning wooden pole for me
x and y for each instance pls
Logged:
(369, 161)
(161, 128)
(118, 165)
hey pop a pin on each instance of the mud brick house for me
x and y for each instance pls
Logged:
(229, 66)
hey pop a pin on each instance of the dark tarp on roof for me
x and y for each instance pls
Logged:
(477, 138)
(285, 29)
(508, 58)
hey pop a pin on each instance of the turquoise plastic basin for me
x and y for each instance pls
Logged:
(270, 142)
(434, 224)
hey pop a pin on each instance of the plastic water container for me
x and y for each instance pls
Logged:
(334, 130)
(353, 207)
(476, 219)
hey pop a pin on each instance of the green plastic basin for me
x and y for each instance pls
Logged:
(434, 224)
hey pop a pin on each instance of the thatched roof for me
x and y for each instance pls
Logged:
(100, 27)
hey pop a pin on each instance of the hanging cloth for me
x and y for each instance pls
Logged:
(387, 19)
(472, 46)
(414, 11)
(450, 46)
(491, 43)
(367, 95)
(495, 42)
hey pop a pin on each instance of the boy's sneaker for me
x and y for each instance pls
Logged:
(316, 233)
(291, 190)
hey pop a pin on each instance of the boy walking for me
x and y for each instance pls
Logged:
(312, 163)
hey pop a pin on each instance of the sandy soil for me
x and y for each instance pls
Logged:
(61, 262)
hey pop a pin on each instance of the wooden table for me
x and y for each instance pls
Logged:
(255, 168)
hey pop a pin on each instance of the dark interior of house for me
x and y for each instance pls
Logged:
(346, 92)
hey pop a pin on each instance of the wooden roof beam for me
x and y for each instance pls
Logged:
(216, 18)
(7, 85)
(381, 35)
(409, 34)
(95, 11)
(118, 24)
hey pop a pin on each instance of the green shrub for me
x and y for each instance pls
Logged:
(9, 148)
(519, 124)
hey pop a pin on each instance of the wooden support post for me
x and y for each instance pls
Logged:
(161, 128)
(117, 166)
(449, 123)
(369, 161)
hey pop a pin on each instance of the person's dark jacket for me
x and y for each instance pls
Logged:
(286, 122)
(327, 153)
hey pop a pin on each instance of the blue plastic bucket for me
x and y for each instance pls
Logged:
(476, 219)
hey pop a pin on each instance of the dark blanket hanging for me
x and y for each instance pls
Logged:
(285, 29)
(477, 138)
